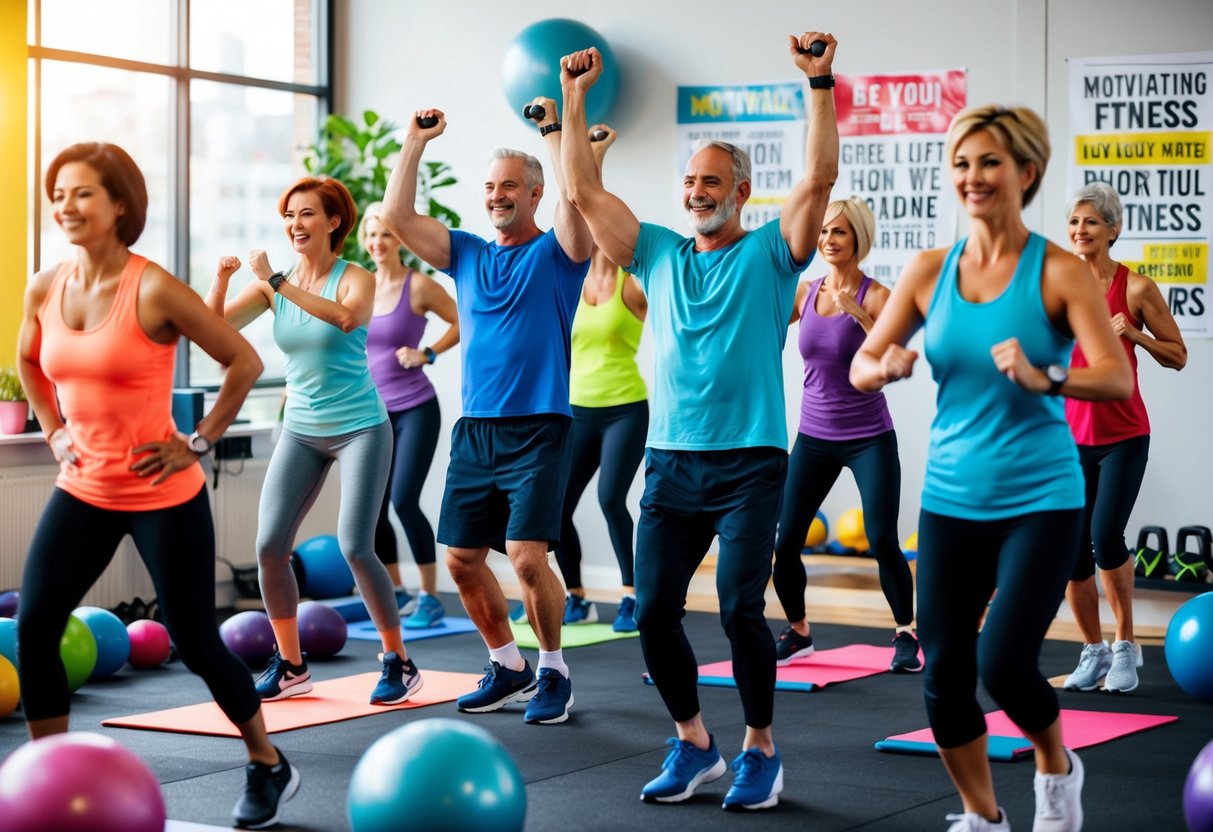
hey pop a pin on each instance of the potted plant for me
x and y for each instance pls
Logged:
(14, 409)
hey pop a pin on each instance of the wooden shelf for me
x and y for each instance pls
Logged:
(1164, 585)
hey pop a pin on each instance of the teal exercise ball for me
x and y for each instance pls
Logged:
(531, 67)
(1189, 644)
(8, 640)
(325, 573)
(440, 774)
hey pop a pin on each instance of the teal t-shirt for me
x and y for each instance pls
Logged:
(719, 321)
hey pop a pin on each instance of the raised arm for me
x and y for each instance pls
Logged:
(883, 357)
(571, 231)
(613, 225)
(249, 302)
(1163, 342)
(355, 298)
(422, 234)
(804, 208)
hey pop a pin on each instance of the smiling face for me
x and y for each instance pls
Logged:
(1090, 234)
(837, 242)
(383, 246)
(986, 176)
(709, 195)
(508, 200)
(307, 226)
(82, 206)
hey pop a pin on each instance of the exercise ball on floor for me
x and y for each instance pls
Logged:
(819, 532)
(78, 782)
(531, 67)
(324, 570)
(850, 530)
(1189, 645)
(9, 600)
(910, 547)
(1198, 792)
(8, 640)
(440, 774)
(150, 644)
(78, 651)
(113, 642)
(322, 630)
(249, 636)
(10, 688)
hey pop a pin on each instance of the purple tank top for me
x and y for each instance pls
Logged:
(831, 408)
(400, 388)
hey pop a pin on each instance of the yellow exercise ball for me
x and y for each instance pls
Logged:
(10, 690)
(819, 531)
(850, 530)
(911, 544)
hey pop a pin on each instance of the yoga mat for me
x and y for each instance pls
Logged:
(448, 626)
(822, 668)
(572, 635)
(1079, 729)
(333, 700)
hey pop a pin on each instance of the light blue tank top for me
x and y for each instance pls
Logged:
(329, 390)
(996, 450)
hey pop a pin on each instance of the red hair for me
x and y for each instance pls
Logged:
(336, 200)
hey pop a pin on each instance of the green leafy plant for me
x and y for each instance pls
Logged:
(359, 156)
(10, 386)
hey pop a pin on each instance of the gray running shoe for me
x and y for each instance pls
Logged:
(973, 822)
(1093, 665)
(1059, 799)
(1122, 675)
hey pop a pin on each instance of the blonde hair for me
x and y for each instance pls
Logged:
(858, 213)
(1019, 130)
(374, 211)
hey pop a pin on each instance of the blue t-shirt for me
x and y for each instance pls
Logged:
(516, 306)
(719, 321)
(996, 450)
(329, 389)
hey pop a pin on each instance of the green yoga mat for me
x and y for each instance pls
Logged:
(574, 635)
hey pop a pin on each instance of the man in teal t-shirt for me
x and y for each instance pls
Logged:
(719, 304)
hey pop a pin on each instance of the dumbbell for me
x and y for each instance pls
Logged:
(1193, 566)
(817, 48)
(426, 122)
(598, 136)
(534, 111)
(1151, 562)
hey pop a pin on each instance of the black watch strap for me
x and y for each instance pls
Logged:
(549, 128)
(821, 82)
(275, 280)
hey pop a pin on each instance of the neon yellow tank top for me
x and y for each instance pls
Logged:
(605, 339)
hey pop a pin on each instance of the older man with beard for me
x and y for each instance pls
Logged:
(509, 452)
(719, 303)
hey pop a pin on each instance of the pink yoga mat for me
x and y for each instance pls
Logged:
(824, 667)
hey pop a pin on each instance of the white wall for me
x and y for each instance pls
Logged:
(401, 56)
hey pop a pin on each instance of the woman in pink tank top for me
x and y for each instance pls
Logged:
(96, 351)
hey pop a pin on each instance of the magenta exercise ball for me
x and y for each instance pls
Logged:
(150, 645)
(322, 630)
(78, 782)
(249, 636)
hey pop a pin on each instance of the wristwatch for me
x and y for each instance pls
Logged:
(1058, 376)
(430, 355)
(275, 280)
(198, 443)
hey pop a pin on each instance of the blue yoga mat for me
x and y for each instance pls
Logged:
(450, 625)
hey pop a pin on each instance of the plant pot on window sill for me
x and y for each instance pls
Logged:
(13, 416)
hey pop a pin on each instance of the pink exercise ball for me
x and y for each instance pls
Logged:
(150, 643)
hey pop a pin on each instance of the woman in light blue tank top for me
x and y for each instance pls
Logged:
(333, 414)
(1002, 501)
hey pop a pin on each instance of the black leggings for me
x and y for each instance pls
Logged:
(1028, 560)
(813, 468)
(415, 433)
(1113, 475)
(71, 547)
(612, 437)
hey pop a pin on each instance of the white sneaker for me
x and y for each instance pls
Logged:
(1093, 665)
(1059, 799)
(1122, 676)
(973, 822)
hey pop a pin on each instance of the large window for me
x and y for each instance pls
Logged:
(216, 100)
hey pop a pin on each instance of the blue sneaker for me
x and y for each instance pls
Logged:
(684, 770)
(579, 611)
(498, 688)
(758, 781)
(552, 700)
(428, 613)
(625, 619)
(400, 680)
(282, 679)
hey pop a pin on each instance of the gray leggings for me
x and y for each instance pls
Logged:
(296, 473)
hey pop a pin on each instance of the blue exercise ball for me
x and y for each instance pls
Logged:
(8, 640)
(441, 774)
(531, 67)
(324, 570)
(1189, 645)
(113, 641)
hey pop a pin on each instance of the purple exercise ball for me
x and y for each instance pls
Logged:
(1198, 792)
(249, 635)
(9, 601)
(78, 782)
(322, 630)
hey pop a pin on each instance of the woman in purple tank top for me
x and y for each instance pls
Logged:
(841, 427)
(403, 298)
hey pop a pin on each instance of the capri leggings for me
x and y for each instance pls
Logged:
(294, 479)
(1113, 475)
(613, 438)
(71, 547)
(813, 468)
(416, 437)
(1028, 560)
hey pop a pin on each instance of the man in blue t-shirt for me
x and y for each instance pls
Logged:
(509, 451)
(719, 305)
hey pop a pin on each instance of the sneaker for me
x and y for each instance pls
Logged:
(552, 699)
(625, 619)
(518, 613)
(758, 781)
(973, 822)
(282, 679)
(1093, 665)
(791, 646)
(1059, 799)
(1122, 674)
(428, 613)
(579, 611)
(400, 680)
(905, 654)
(684, 770)
(266, 788)
(403, 601)
(498, 688)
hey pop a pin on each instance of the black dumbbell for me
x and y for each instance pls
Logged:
(598, 135)
(534, 111)
(817, 48)
(426, 122)
(1152, 562)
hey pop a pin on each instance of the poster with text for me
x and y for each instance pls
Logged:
(1142, 124)
(891, 131)
(765, 120)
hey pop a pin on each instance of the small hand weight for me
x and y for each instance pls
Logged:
(817, 48)
(534, 111)
(426, 122)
